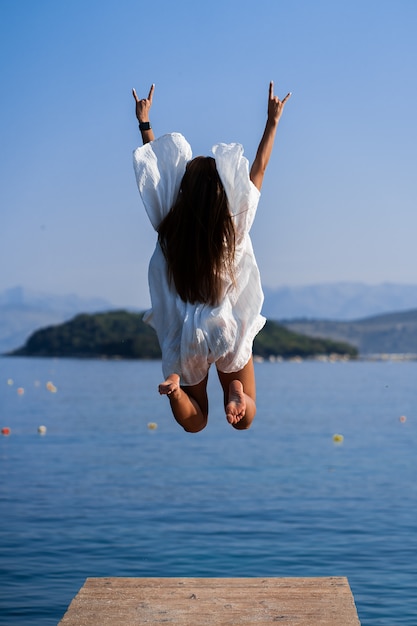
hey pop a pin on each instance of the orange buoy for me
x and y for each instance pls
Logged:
(5, 431)
(51, 387)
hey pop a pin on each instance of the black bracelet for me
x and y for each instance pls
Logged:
(144, 126)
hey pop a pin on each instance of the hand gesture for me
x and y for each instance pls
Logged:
(275, 105)
(143, 106)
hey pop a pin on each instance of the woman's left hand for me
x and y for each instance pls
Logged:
(143, 106)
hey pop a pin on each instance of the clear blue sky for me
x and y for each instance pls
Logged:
(339, 201)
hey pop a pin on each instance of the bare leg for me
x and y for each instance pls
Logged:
(239, 391)
(189, 404)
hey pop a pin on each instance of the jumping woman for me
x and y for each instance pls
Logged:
(204, 282)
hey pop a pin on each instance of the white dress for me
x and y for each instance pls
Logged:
(193, 336)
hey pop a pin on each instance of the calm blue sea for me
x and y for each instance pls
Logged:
(101, 494)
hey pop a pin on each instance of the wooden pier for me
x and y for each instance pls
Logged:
(213, 602)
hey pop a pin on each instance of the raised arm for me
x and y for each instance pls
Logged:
(143, 107)
(263, 154)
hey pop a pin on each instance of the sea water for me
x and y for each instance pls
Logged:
(115, 487)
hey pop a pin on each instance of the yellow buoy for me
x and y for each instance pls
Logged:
(152, 425)
(338, 438)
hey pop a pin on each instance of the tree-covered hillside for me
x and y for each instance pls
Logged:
(116, 333)
(124, 334)
(276, 340)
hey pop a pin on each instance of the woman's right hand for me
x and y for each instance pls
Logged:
(263, 154)
(275, 105)
(143, 106)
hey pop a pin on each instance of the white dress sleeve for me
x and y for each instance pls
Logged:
(242, 195)
(159, 167)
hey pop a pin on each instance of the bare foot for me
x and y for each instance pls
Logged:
(170, 386)
(236, 407)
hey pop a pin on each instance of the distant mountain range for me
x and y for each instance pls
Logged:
(338, 301)
(23, 311)
(392, 333)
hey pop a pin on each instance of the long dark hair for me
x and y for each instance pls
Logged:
(197, 236)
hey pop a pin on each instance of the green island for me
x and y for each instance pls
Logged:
(123, 334)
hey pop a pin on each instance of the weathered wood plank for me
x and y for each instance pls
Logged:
(213, 602)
